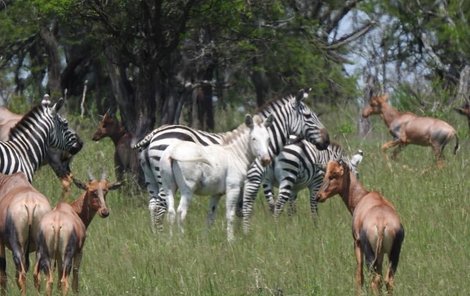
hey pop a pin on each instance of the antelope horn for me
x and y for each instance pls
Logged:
(104, 174)
(90, 175)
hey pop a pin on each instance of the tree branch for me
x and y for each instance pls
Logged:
(352, 36)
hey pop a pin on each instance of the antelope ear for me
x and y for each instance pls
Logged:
(115, 186)
(58, 105)
(385, 97)
(79, 183)
(249, 121)
(302, 94)
(341, 171)
(269, 121)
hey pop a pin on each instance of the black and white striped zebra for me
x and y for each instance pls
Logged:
(299, 165)
(42, 127)
(291, 116)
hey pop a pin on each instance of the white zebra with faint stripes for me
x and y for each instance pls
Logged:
(213, 170)
(42, 127)
(291, 116)
(300, 165)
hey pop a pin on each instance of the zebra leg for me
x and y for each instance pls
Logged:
(231, 203)
(157, 206)
(313, 188)
(214, 201)
(292, 210)
(252, 184)
(313, 204)
(182, 211)
(285, 194)
(268, 188)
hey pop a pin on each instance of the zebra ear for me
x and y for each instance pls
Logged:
(58, 105)
(249, 121)
(269, 121)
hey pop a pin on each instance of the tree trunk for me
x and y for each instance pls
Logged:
(260, 82)
(53, 67)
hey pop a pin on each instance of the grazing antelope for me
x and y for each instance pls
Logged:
(214, 170)
(465, 111)
(62, 233)
(408, 128)
(21, 209)
(376, 227)
(125, 158)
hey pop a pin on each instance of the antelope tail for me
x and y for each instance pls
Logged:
(379, 243)
(28, 240)
(56, 242)
(456, 148)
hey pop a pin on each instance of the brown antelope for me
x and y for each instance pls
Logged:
(408, 128)
(125, 158)
(21, 209)
(465, 111)
(58, 160)
(62, 233)
(376, 227)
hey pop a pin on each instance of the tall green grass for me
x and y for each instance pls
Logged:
(294, 256)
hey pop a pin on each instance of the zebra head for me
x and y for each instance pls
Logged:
(259, 137)
(62, 137)
(306, 123)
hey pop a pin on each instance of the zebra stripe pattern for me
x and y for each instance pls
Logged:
(291, 116)
(39, 129)
(299, 165)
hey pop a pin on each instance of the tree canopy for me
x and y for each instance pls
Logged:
(148, 59)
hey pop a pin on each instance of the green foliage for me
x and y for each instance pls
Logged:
(53, 7)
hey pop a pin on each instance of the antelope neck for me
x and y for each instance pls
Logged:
(353, 192)
(389, 113)
(84, 212)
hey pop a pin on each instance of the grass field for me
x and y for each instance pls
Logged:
(292, 257)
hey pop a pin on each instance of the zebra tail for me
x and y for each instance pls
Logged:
(145, 141)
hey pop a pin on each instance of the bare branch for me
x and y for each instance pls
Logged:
(352, 36)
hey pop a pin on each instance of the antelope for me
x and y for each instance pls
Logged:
(125, 158)
(408, 128)
(376, 227)
(21, 209)
(465, 111)
(62, 233)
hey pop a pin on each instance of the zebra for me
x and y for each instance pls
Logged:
(291, 116)
(213, 170)
(42, 127)
(298, 166)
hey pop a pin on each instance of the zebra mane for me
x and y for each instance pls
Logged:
(25, 120)
(268, 105)
(230, 136)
